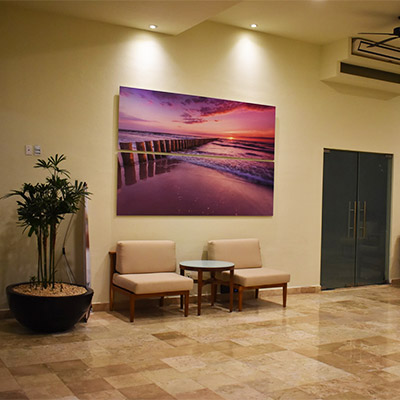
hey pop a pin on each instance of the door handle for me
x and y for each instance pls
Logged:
(349, 227)
(363, 228)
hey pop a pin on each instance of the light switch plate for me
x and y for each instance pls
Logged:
(28, 150)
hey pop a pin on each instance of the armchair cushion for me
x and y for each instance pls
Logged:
(256, 277)
(144, 256)
(244, 253)
(157, 282)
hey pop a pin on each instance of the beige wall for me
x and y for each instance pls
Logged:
(59, 80)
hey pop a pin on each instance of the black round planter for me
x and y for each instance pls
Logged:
(48, 314)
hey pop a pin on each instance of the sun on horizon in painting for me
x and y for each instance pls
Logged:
(177, 145)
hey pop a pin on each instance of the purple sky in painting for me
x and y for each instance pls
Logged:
(148, 110)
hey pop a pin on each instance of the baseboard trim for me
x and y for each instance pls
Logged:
(193, 299)
(5, 314)
(300, 290)
(100, 307)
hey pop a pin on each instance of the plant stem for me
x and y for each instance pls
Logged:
(44, 241)
(40, 256)
(53, 235)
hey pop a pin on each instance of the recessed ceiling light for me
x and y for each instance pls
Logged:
(253, 25)
(152, 26)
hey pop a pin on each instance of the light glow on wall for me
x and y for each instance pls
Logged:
(147, 53)
(246, 54)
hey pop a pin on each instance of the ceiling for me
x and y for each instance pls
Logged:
(314, 21)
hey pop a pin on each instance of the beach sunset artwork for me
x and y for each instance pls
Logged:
(192, 155)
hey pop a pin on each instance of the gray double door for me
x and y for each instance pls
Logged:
(355, 218)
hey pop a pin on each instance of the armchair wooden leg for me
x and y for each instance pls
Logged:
(231, 288)
(256, 294)
(213, 288)
(186, 304)
(213, 293)
(182, 272)
(199, 290)
(284, 294)
(132, 307)
(240, 298)
(111, 298)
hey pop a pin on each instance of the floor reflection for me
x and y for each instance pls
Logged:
(335, 345)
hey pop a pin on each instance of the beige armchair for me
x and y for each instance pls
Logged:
(147, 268)
(248, 273)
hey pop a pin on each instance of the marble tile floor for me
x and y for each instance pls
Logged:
(335, 345)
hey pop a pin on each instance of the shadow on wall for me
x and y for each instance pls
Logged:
(70, 268)
(395, 267)
(360, 91)
(18, 255)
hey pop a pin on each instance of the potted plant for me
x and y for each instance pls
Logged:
(43, 304)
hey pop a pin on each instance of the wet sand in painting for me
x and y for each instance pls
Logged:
(172, 187)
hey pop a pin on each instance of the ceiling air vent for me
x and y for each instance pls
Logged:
(369, 73)
(360, 63)
(369, 49)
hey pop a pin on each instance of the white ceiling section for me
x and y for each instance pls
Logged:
(171, 17)
(314, 21)
(318, 21)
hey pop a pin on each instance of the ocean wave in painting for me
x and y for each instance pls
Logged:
(250, 171)
(236, 149)
(258, 172)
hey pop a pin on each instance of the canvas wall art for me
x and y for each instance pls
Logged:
(193, 155)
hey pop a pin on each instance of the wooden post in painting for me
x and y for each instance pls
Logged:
(140, 146)
(157, 147)
(163, 146)
(127, 158)
(149, 147)
(173, 145)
